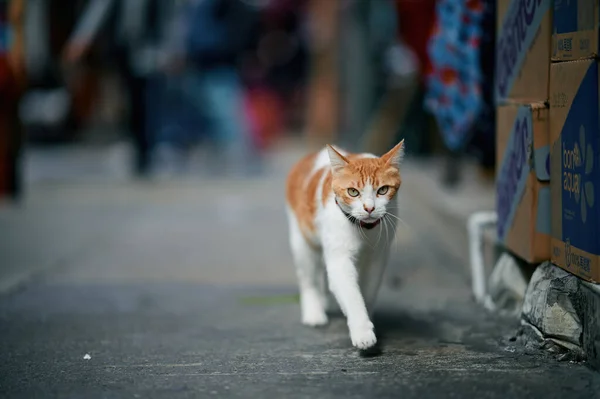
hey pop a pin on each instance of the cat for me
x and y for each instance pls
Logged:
(341, 211)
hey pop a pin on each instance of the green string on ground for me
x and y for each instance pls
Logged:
(270, 300)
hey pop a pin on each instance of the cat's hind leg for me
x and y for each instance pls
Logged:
(309, 270)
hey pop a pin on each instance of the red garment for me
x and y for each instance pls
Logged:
(416, 19)
(265, 112)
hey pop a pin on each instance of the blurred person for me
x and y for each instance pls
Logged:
(217, 32)
(135, 29)
(178, 124)
(50, 112)
(12, 84)
(395, 69)
(275, 73)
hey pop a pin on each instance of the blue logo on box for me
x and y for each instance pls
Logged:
(579, 139)
(515, 37)
(514, 170)
(578, 165)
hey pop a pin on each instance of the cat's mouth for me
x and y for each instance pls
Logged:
(371, 220)
(370, 223)
(367, 223)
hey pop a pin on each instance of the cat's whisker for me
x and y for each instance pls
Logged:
(399, 219)
(393, 221)
(379, 235)
(357, 227)
(395, 242)
(396, 210)
(393, 227)
(360, 230)
(388, 241)
(387, 233)
(392, 241)
(396, 206)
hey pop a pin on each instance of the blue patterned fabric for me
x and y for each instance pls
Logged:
(454, 92)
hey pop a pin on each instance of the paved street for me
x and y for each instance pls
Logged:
(186, 289)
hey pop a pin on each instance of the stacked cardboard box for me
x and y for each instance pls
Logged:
(575, 138)
(523, 51)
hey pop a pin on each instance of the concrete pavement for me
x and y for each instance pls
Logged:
(186, 289)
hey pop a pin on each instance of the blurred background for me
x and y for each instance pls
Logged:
(144, 146)
(149, 140)
(171, 89)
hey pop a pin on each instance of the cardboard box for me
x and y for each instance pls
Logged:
(575, 169)
(575, 29)
(522, 182)
(523, 47)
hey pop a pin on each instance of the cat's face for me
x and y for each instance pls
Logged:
(365, 187)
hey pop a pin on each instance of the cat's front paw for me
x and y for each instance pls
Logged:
(363, 337)
(314, 318)
(313, 314)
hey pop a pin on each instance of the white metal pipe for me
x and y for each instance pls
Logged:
(476, 224)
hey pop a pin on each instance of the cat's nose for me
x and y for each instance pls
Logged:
(369, 209)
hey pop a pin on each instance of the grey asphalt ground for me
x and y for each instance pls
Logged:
(186, 289)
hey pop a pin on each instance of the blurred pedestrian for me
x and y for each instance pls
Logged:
(135, 29)
(217, 33)
(12, 84)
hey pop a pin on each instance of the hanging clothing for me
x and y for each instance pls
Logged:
(454, 93)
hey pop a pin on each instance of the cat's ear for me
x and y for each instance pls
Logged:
(395, 156)
(337, 160)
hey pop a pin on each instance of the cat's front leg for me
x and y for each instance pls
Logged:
(371, 279)
(343, 283)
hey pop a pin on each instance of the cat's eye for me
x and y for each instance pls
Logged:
(383, 190)
(353, 192)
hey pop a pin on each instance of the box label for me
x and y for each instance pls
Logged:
(574, 33)
(573, 15)
(515, 37)
(512, 176)
(573, 259)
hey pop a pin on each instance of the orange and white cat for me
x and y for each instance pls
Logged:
(341, 209)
